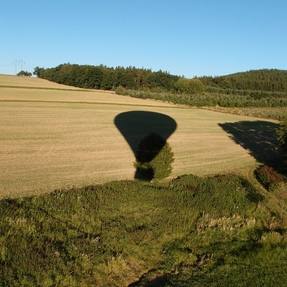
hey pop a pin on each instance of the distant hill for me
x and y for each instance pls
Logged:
(272, 80)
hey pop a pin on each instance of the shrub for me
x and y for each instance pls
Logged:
(24, 74)
(268, 177)
(219, 195)
(154, 158)
(191, 86)
(162, 163)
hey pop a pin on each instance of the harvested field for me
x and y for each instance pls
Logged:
(52, 139)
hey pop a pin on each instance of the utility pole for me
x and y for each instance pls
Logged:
(15, 67)
(19, 65)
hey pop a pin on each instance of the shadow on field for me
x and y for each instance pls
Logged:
(259, 138)
(146, 133)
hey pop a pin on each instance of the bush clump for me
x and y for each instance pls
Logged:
(154, 158)
(221, 195)
(192, 86)
(24, 74)
(268, 177)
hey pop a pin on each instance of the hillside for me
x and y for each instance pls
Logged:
(259, 80)
(261, 88)
(217, 231)
(59, 138)
(221, 226)
(86, 76)
(30, 82)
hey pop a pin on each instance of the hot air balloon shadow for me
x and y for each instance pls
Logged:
(146, 133)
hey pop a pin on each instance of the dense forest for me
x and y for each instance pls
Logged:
(263, 80)
(103, 77)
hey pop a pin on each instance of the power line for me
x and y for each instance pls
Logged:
(15, 66)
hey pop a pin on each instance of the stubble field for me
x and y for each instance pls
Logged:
(52, 137)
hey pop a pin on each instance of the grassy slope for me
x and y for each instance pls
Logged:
(264, 79)
(57, 138)
(192, 232)
(29, 82)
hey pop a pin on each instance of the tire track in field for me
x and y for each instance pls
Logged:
(98, 103)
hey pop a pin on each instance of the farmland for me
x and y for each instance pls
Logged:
(143, 144)
(72, 212)
(54, 138)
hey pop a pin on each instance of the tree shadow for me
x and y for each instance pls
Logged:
(146, 133)
(259, 138)
(158, 281)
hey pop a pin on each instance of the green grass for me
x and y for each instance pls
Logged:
(198, 231)
(278, 113)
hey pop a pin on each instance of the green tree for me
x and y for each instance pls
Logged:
(38, 71)
(154, 158)
(24, 74)
(191, 86)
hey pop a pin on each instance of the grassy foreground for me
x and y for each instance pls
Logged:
(216, 231)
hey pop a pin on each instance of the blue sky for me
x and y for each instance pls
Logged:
(195, 37)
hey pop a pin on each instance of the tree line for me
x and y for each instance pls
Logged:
(261, 88)
(103, 77)
(258, 82)
(108, 78)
